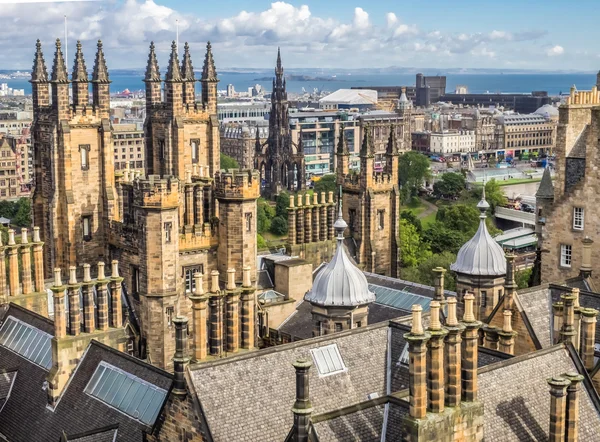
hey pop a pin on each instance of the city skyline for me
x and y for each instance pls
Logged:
(311, 34)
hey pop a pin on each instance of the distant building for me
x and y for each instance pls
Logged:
(521, 103)
(429, 89)
(14, 176)
(452, 142)
(240, 111)
(230, 90)
(517, 135)
(129, 146)
(460, 89)
(362, 99)
(238, 140)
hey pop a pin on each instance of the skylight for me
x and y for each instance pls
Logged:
(27, 341)
(404, 356)
(328, 360)
(127, 393)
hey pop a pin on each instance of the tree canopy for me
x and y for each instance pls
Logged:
(412, 219)
(412, 250)
(228, 162)
(413, 169)
(450, 185)
(19, 212)
(326, 184)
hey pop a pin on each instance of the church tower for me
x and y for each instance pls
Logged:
(74, 174)
(280, 160)
(372, 206)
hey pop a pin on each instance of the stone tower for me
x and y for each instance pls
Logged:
(72, 152)
(372, 207)
(280, 160)
(340, 294)
(480, 267)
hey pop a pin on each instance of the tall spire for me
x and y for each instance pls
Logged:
(173, 73)
(209, 72)
(342, 148)
(483, 204)
(187, 70)
(152, 70)
(279, 68)
(79, 74)
(365, 148)
(39, 74)
(100, 73)
(59, 69)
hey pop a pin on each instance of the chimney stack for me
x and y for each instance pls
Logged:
(232, 311)
(572, 412)
(588, 337)
(25, 263)
(567, 331)
(116, 314)
(558, 407)
(507, 335)
(87, 290)
(510, 286)
(74, 308)
(102, 298)
(557, 313)
(417, 347)
(181, 358)
(469, 350)
(435, 359)
(248, 311)
(439, 283)
(453, 358)
(586, 262)
(199, 299)
(491, 337)
(302, 406)
(216, 316)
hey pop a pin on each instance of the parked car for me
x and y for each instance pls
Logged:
(527, 208)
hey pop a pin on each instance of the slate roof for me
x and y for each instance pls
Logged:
(546, 189)
(587, 299)
(536, 303)
(516, 396)
(267, 378)
(76, 412)
(361, 426)
(108, 434)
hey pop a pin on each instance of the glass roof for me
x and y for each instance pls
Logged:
(133, 396)
(27, 341)
(400, 299)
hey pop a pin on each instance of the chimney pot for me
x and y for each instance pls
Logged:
(114, 268)
(24, 239)
(36, 234)
(469, 316)
(215, 281)
(434, 311)
(299, 204)
(452, 319)
(331, 197)
(507, 326)
(86, 273)
(323, 198)
(57, 277)
(417, 324)
(11, 237)
(199, 290)
(101, 274)
(315, 198)
(302, 406)
(230, 279)
(72, 275)
(247, 282)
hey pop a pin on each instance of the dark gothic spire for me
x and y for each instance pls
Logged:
(392, 146)
(79, 70)
(39, 74)
(187, 70)
(342, 147)
(279, 68)
(209, 72)
(173, 73)
(365, 148)
(100, 73)
(257, 144)
(152, 71)
(59, 69)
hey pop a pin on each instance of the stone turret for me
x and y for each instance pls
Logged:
(152, 79)
(80, 80)
(209, 82)
(60, 84)
(39, 79)
(187, 75)
(174, 84)
(101, 84)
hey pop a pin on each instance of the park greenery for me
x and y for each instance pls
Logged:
(18, 212)
(228, 162)
(272, 218)
(413, 173)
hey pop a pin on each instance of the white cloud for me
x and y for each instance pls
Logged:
(555, 50)
(249, 38)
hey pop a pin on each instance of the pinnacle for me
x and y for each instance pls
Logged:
(279, 66)
(187, 70)
(59, 69)
(39, 73)
(392, 147)
(342, 143)
(209, 72)
(173, 72)
(100, 74)
(152, 71)
(79, 70)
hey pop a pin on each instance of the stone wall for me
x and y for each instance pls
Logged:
(179, 421)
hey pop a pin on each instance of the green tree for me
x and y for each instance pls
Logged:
(441, 239)
(260, 242)
(461, 217)
(279, 225)
(264, 214)
(412, 250)
(326, 184)
(282, 205)
(22, 217)
(423, 273)
(412, 219)
(493, 194)
(522, 278)
(450, 185)
(413, 170)
(228, 162)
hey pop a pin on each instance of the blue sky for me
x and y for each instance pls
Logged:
(528, 34)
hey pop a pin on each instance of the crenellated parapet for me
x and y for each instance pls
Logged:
(156, 192)
(311, 218)
(583, 98)
(237, 184)
(22, 271)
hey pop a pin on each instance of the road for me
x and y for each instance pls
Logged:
(520, 189)
(430, 208)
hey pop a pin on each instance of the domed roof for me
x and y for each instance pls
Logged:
(340, 283)
(481, 255)
(547, 110)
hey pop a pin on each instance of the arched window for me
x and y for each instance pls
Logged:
(195, 150)
(84, 152)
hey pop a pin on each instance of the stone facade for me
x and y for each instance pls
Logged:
(566, 218)
(178, 217)
(238, 140)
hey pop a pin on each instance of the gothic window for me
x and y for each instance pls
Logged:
(86, 224)
(168, 228)
(163, 150)
(84, 152)
(135, 280)
(170, 311)
(352, 216)
(381, 219)
(190, 282)
(578, 218)
(483, 298)
(195, 150)
(248, 222)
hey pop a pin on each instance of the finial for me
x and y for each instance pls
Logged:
(39, 73)
(100, 73)
(279, 67)
(187, 70)
(79, 70)
(173, 73)
(340, 225)
(483, 204)
(59, 69)
(152, 70)
(209, 72)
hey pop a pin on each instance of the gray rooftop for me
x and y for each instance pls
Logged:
(546, 188)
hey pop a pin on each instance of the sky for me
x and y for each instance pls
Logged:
(511, 34)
